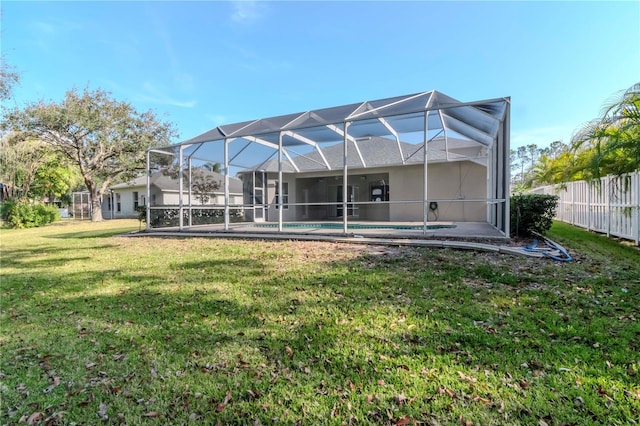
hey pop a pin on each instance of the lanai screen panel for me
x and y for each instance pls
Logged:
(314, 140)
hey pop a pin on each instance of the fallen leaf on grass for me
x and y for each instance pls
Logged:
(481, 399)
(464, 422)
(404, 421)
(289, 351)
(400, 398)
(86, 401)
(102, 412)
(151, 414)
(49, 388)
(119, 357)
(449, 392)
(35, 418)
(223, 404)
(467, 378)
(604, 393)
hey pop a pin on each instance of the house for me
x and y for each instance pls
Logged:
(123, 200)
(380, 187)
(417, 158)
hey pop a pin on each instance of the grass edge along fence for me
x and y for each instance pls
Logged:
(609, 205)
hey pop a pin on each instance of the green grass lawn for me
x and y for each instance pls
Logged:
(101, 329)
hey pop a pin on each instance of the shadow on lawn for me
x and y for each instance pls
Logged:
(42, 257)
(321, 335)
(91, 234)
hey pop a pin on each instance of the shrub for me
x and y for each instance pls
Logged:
(25, 213)
(532, 213)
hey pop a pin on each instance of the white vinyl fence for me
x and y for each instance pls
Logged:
(610, 206)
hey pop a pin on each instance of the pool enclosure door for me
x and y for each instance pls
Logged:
(255, 201)
(352, 210)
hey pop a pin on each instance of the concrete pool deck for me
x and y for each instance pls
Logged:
(461, 231)
(477, 236)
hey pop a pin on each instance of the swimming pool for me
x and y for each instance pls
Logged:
(332, 225)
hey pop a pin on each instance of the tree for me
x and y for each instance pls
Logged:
(8, 79)
(213, 167)
(20, 159)
(31, 169)
(203, 185)
(54, 179)
(532, 153)
(522, 154)
(104, 138)
(612, 142)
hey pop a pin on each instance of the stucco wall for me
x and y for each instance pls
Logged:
(158, 198)
(126, 199)
(289, 213)
(459, 180)
(455, 180)
(172, 198)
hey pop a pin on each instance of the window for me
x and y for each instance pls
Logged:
(118, 203)
(379, 192)
(285, 196)
(135, 200)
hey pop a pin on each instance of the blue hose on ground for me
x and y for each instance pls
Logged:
(559, 253)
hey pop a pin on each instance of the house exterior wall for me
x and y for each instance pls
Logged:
(121, 203)
(172, 198)
(453, 180)
(125, 197)
(289, 212)
(460, 180)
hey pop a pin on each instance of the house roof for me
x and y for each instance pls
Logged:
(478, 121)
(376, 152)
(455, 131)
(167, 183)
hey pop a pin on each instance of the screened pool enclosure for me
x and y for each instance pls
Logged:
(414, 161)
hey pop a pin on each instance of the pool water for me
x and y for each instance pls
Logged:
(329, 225)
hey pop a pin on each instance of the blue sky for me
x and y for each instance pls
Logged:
(202, 64)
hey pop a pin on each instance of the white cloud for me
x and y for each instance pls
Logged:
(155, 95)
(217, 120)
(247, 12)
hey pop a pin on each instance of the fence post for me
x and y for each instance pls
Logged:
(573, 203)
(607, 204)
(635, 206)
(588, 206)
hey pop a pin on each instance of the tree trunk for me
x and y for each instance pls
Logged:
(96, 208)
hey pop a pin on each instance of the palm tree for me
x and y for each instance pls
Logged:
(213, 167)
(612, 142)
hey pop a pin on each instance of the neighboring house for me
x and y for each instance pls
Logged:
(123, 199)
